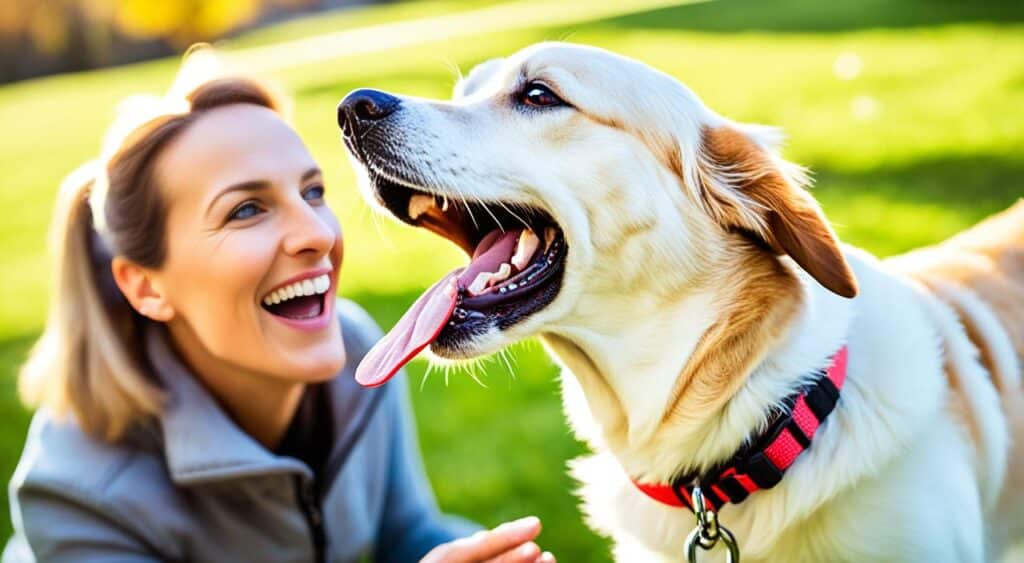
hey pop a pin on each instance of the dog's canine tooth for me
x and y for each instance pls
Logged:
(419, 204)
(549, 237)
(444, 203)
(525, 248)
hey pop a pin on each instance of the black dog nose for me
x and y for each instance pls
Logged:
(364, 106)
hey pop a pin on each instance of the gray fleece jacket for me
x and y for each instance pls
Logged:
(195, 487)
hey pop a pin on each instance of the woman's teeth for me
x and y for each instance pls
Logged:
(313, 286)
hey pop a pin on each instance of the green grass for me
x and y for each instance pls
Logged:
(936, 144)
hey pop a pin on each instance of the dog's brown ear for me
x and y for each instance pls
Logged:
(747, 188)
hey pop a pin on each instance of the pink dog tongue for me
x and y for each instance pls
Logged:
(495, 248)
(424, 320)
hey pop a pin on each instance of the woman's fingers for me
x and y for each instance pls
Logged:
(485, 546)
(506, 537)
(525, 553)
(545, 557)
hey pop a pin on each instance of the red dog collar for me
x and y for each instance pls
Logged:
(763, 459)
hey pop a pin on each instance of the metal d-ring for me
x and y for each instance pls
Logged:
(708, 532)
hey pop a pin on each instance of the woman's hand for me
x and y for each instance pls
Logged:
(510, 542)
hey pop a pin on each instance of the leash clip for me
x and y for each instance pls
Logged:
(708, 532)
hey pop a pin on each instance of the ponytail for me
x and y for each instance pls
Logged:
(87, 362)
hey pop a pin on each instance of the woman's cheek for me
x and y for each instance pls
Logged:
(328, 217)
(242, 268)
(338, 253)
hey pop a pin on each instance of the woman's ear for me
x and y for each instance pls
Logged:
(142, 289)
(747, 187)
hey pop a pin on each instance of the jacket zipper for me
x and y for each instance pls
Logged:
(314, 518)
(309, 502)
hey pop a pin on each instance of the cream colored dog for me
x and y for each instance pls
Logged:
(676, 268)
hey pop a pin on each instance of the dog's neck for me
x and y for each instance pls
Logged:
(671, 386)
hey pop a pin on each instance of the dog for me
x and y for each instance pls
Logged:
(700, 306)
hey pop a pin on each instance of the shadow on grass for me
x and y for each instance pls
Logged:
(892, 209)
(974, 184)
(817, 16)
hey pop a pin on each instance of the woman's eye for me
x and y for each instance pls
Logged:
(245, 211)
(314, 193)
(538, 95)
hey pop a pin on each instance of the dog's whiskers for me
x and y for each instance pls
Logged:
(469, 210)
(477, 379)
(453, 67)
(426, 374)
(503, 354)
(489, 212)
(512, 213)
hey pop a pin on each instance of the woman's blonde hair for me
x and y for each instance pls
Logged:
(89, 360)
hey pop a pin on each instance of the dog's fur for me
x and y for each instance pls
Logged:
(703, 285)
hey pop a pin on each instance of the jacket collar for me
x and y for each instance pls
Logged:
(202, 443)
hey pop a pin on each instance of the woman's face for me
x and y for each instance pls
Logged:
(253, 251)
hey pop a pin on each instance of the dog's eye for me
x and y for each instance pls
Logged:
(538, 95)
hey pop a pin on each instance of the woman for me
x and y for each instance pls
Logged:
(196, 396)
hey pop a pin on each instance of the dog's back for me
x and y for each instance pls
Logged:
(979, 274)
(985, 262)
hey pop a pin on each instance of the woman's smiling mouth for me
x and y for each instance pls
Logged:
(302, 302)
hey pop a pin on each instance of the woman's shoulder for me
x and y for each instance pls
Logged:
(68, 482)
(61, 459)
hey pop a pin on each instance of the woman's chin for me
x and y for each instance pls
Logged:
(321, 363)
(308, 356)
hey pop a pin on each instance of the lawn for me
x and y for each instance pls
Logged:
(910, 114)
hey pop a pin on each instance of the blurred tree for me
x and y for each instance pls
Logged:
(44, 36)
(182, 22)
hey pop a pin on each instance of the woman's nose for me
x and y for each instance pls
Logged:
(312, 231)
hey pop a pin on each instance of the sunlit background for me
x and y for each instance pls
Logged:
(910, 113)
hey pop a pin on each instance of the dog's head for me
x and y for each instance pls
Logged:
(596, 178)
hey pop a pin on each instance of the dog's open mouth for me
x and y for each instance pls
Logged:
(516, 262)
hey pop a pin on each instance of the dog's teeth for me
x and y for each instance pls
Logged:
(485, 280)
(419, 204)
(549, 237)
(527, 245)
(504, 271)
(480, 283)
(444, 203)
